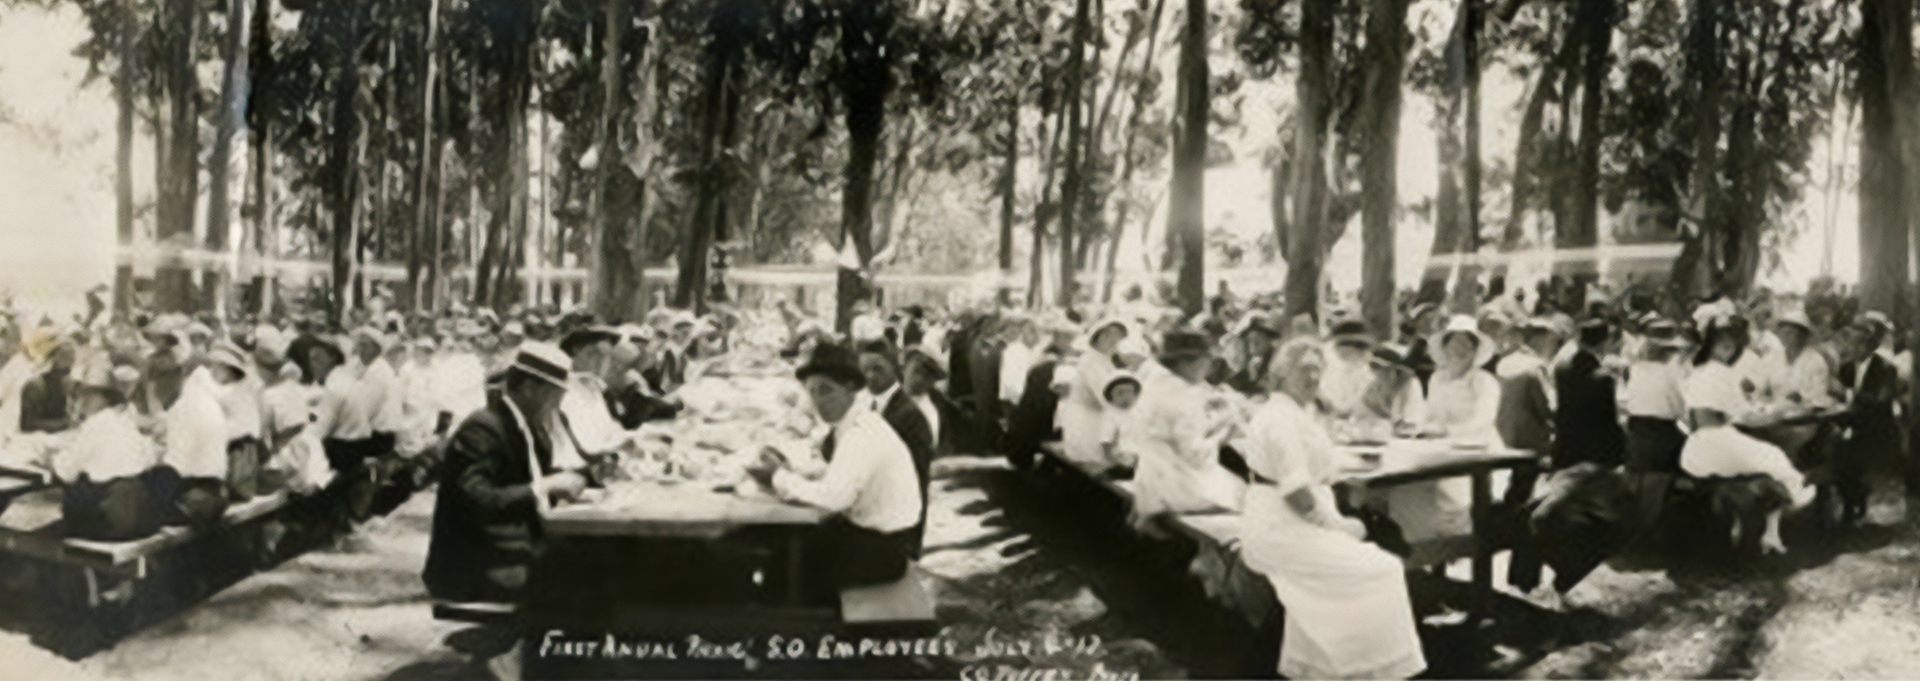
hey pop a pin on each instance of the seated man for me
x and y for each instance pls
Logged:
(869, 484)
(485, 520)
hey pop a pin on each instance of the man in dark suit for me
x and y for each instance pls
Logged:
(1874, 446)
(1585, 511)
(486, 529)
(1586, 423)
(882, 369)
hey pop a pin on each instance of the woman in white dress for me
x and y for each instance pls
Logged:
(1463, 403)
(1348, 615)
(1716, 400)
(1079, 415)
(1178, 448)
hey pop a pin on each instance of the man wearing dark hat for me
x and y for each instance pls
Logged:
(870, 484)
(1873, 443)
(1256, 342)
(486, 519)
(43, 400)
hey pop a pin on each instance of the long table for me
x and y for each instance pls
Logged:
(1400, 462)
(650, 510)
(1404, 462)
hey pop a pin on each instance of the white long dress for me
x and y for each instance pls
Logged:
(1348, 615)
(1724, 451)
(1079, 414)
(1467, 406)
(1178, 468)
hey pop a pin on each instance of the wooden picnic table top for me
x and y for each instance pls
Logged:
(1404, 461)
(644, 509)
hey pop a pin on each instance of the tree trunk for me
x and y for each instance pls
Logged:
(343, 158)
(1526, 153)
(1131, 132)
(1008, 185)
(719, 108)
(611, 291)
(1076, 141)
(1186, 212)
(508, 165)
(180, 184)
(232, 121)
(1305, 251)
(1694, 269)
(1905, 93)
(422, 246)
(1883, 172)
(1466, 288)
(123, 165)
(1594, 28)
(260, 71)
(1386, 57)
(1036, 265)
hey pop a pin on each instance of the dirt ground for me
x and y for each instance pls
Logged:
(1014, 561)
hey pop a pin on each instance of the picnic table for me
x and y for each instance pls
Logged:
(1408, 461)
(1374, 466)
(648, 509)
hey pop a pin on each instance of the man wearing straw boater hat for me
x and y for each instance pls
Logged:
(484, 521)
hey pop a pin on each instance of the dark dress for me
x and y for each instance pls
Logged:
(486, 529)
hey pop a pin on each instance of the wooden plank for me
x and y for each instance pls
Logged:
(903, 600)
(117, 554)
(646, 510)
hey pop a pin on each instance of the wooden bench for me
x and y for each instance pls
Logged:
(478, 612)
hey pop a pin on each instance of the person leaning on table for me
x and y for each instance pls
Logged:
(1348, 615)
(485, 521)
(869, 485)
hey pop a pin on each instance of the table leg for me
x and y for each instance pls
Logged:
(796, 593)
(1482, 542)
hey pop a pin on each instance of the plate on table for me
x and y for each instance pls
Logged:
(1469, 446)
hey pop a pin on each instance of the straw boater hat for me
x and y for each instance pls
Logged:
(541, 360)
(1463, 324)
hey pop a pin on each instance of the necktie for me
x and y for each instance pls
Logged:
(826, 447)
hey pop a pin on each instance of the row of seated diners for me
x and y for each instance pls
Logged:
(1108, 421)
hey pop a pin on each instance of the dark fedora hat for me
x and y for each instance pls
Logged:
(580, 338)
(834, 361)
(1182, 344)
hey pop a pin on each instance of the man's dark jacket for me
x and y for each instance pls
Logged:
(1586, 426)
(913, 429)
(485, 526)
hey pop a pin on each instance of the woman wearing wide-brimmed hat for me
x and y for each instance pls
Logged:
(1079, 412)
(1463, 404)
(1716, 400)
(1179, 467)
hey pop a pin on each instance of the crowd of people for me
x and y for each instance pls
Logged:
(1764, 399)
(150, 420)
